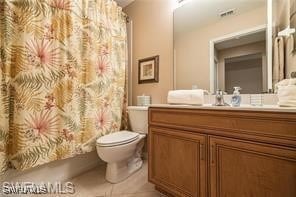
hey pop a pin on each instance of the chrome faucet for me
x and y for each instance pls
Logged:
(220, 98)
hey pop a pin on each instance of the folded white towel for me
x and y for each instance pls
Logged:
(190, 97)
(287, 96)
(292, 82)
(285, 82)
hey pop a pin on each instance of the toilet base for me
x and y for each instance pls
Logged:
(119, 171)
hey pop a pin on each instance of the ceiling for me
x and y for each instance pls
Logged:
(197, 13)
(124, 3)
(242, 40)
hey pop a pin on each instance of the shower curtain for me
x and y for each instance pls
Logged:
(62, 78)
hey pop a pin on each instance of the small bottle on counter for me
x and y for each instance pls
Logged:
(236, 98)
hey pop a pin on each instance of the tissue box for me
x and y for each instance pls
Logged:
(143, 100)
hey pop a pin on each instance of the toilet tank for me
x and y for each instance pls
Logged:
(138, 117)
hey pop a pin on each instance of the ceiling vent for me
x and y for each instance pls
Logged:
(227, 13)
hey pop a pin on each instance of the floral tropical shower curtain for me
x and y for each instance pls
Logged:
(62, 78)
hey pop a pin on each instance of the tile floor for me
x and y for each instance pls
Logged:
(93, 184)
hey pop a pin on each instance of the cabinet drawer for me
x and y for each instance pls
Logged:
(271, 127)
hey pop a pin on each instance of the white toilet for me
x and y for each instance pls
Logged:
(123, 150)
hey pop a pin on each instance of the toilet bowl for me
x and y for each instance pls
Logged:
(122, 151)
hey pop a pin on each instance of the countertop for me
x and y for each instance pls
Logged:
(270, 108)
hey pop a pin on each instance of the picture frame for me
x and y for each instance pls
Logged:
(148, 70)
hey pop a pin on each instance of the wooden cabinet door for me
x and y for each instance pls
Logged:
(248, 169)
(177, 161)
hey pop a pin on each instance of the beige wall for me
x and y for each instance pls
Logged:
(192, 49)
(282, 21)
(248, 49)
(152, 35)
(282, 14)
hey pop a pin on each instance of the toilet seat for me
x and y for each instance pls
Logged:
(118, 138)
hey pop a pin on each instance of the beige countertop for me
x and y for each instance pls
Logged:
(271, 108)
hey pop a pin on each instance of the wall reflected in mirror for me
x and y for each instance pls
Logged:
(220, 44)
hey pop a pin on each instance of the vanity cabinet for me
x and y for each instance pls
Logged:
(178, 161)
(222, 153)
(244, 168)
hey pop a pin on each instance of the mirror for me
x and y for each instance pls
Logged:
(220, 44)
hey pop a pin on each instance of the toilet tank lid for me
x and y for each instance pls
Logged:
(118, 137)
(138, 108)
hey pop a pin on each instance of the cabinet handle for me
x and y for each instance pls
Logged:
(212, 154)
(202, 151)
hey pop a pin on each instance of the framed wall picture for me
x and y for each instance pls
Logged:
(148, 71)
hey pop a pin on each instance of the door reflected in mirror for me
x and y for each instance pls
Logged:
(240, 60)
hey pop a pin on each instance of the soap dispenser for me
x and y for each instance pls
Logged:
(236, 97)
